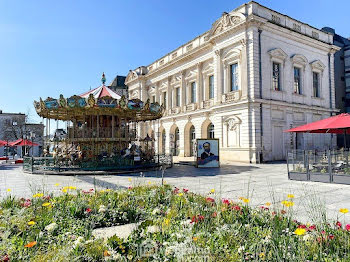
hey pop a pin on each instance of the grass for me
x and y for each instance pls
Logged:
(173, 225)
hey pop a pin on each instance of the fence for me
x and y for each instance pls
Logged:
(117, 164)
(331, 166)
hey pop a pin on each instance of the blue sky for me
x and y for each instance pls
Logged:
(53, 47)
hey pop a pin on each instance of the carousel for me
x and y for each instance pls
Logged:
(101, 132)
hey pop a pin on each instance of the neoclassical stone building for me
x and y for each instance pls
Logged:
(255, 73)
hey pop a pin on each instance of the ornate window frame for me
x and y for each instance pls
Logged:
(299, 61)
(317, 67)
(207, 71)
(230, 57)
(277, 55)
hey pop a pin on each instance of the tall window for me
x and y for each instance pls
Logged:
(234, 77)
(177, 99)
(193, 140)
(316, 84)
(193, 92)
(297, 81)
(153, 99)
(164, 100)
(276, 78)
(211, 87)
(211, 131)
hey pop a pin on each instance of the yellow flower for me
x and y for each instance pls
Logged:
(31, 223)
(9, 190)
(150, 183)
(167, 221)
(108, 190)
(129, 179)
(290, 196)
(246, 200)
(38, 195)
(268, 204)
(46, 204)
(300, 231)
(262, 255)
(72, 187)
(344, 210)
(180, 194)
(106, 253)
(212, 191)
(57, 184)
(241, 198)
(195, 239)
(287, 203)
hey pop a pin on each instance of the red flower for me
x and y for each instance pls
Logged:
(176, 190)
(209, 199)
(226, 201)
(237, 208)
(91, 189)
(88, 210)
(200, 217)
(302, 226)
(214, 214)
(323, 232)
(312, 227)
(331, 236)
(338, 224)
(130, 187)
(5, 258)
(185, 190)
(347, 227)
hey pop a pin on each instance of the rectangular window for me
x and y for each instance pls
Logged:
(316, 84)
(211, 87)
(153, 99)
(193, 92)
(276, 81)
(297, 81)
(177, 99)
(164, 100)
(234, 77)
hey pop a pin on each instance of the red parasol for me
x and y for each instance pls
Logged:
(23, 142)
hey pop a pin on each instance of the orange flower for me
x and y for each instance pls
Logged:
(106, 253)
(31, 244)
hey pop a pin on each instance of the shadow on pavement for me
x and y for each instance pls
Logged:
(98, 182)
(191, 171)
(8, 167)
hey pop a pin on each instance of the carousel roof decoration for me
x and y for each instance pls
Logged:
(99, 101)
(101, 91)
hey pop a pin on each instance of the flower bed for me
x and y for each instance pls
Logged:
(172, 224)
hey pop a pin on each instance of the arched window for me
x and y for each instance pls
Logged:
(211, 131)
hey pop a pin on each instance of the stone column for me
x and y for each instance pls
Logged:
(169, 103)
(157, 93)
(183, 90)
(199, 85)
(217, 76)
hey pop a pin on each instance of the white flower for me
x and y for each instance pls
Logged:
(102, 209)
(240, 249)
(156, 211)
(78, 242)
(153, 229)
(51, 227)
(306, 237)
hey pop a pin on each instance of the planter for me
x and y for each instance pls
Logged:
(298, 176)
(341, 179)
(320, 177)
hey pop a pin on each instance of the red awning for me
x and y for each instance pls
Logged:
(22, 142)
(3, 143)
(338, 124)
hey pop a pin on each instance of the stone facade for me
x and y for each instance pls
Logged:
(239, 80)
(13, 126)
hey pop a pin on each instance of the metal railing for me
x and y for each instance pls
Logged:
(331, 166)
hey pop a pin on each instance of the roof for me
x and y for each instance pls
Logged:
(101, 91)
(118, 81)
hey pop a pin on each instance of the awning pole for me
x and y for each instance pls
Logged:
(345, 138)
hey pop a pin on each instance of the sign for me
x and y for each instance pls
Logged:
(208, 152)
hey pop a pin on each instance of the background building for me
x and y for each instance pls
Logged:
(118, 86)
(255, 73)
(13, 126)
(341, 76)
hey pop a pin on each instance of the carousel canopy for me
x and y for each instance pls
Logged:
(100, 92)
(99, 101)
